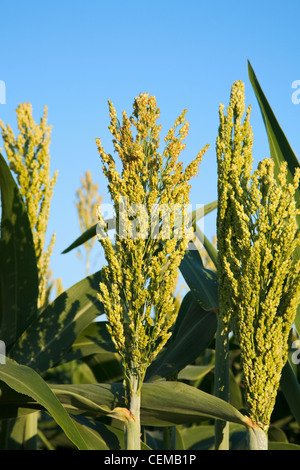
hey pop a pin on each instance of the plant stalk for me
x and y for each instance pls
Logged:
(257, 438)
(222, 382)
(133, 425)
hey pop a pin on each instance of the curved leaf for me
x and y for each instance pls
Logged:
(194, 330)
(94, 339)
(291, 390)
(26, 381)
(280, 149)
(202, 437)
(211, 250)
(194, 373)
(282, 446)
(45, 342)
(18, 269)
(202, 282)
(94, 433)
(87, 235)
(163, 403)
(91, 400)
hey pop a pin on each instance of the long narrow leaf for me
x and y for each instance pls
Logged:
(291, 390)
(94, 339)
(280, 148)
(27, 382)
(163, 403)
(202, 282)
(211, 250)
(18, 269)
(193, 332)
(45, 342)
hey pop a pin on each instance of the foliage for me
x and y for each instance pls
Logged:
(259, 281)
(62, 381)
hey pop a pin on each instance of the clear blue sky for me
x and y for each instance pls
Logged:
(75, 55)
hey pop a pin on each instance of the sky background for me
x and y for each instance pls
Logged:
(75, 55)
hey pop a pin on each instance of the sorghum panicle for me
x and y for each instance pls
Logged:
(259, 279)
(137, 287)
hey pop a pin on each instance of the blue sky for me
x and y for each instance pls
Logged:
(75, 55)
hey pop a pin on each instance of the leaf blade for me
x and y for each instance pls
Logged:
(202, 282)
(26, 381)
(280, 149)
(18, 268)
(45, 342)
(194, 330)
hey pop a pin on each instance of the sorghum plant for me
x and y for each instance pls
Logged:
(138, 282)
(29, 158)
(259, 279)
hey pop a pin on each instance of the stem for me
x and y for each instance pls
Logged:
(257, 438)
(222, 382)
(133, 425)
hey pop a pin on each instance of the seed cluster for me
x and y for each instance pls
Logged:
(137, 288)
(29, 158)
(259, 279)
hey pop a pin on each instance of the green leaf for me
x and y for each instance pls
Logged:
(203, 437)
(202, 282)
(163, 403)
(90, 233)
(45, 342)
(280, 148)
(26, 381)
(92, 432)
(276, 434)
(103, 436)
(166, 403)
(211, 250)
(297, 321)
(198, 437)
(194, 330)
(106, 367)
(194, 373)
(291, 390)
(14, 405)
(202, 211)
(94, 339)
(18, 269)
(282, 446)
(19, 433)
